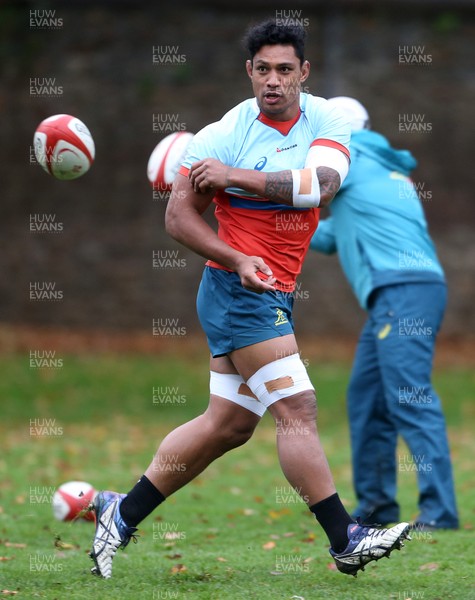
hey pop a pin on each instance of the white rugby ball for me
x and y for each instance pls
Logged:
(71, 498)
(64, 146)
(166, 158)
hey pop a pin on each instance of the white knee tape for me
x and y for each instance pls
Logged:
(280, 379)
(234, 388)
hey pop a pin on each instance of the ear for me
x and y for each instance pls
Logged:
(249, 68)
(304, 71)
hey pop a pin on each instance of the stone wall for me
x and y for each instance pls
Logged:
(99, 61)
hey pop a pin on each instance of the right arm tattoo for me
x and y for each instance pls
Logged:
(279, 187)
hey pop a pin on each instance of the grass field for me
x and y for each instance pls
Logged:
(238, 531)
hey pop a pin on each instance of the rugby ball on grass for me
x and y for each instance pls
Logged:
(71, 498)
(64, 146)
(166, 159)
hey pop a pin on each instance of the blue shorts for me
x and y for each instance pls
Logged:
(233, 317)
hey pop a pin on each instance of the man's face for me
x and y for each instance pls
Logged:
(276, 77)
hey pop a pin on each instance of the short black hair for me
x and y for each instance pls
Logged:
(270, 33)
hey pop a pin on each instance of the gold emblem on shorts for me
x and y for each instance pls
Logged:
(384, 332)
(281, 318)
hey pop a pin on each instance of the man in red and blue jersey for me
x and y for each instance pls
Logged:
(271, 160)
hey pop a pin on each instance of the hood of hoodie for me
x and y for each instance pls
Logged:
(377, 146)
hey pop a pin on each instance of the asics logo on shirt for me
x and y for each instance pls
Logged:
(261, 163)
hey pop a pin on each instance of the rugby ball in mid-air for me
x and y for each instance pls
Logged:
(166, 158)
(64, 146)
(71, 498)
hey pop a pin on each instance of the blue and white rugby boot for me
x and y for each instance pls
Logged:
(366, 544)
(111, 532)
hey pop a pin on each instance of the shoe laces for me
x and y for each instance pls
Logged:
(129, 534)
(365, 531)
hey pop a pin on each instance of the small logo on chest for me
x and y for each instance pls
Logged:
(286, 148)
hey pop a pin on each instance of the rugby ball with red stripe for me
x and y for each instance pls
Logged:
(64, 146)
(71, 500)
(166, 159)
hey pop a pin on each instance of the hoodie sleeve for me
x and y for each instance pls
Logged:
(324, 239)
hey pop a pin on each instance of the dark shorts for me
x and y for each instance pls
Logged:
(233, 317)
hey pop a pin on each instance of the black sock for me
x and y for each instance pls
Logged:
(332, 516)
(142, 499)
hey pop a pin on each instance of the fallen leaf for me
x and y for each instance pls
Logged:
(276, 514)
(4, 558)
(173, 556)
(178, 568)
(269, 545)
(221, 559)
(429, 567)
(248, 512)
(14, 545)
(310, 538)
(258, 499)
(331, 567)
(58, 543)
(8, 593)
(64, 546)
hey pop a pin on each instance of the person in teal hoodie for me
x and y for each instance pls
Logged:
(377, 227)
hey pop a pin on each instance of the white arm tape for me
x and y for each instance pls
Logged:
(324, 156)
(306, 187)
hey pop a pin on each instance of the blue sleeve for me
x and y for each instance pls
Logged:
(329, 124)
(222, 138)
(211, 142)
(324, 239)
